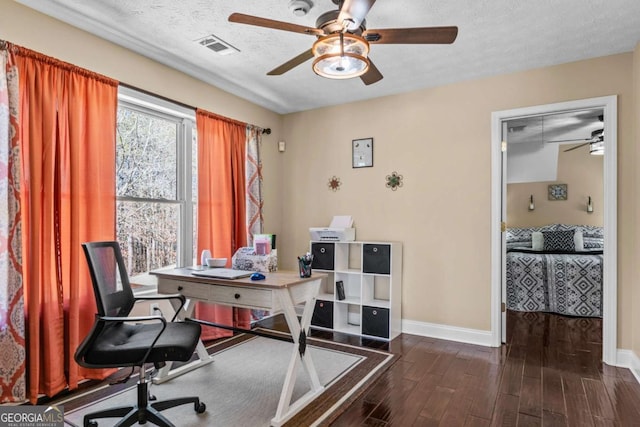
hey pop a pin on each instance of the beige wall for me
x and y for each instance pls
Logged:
(439, 140)
(25, 27)
(583, 174)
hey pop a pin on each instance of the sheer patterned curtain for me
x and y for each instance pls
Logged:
(12, 340)
(254, 183)
(221, 205)
(67, 141)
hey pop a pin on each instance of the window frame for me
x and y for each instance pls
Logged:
(185, 120)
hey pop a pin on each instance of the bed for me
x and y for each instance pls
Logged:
(556, 268)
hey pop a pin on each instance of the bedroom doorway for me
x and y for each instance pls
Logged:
(607, 105)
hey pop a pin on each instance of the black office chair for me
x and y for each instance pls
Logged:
(117, 340)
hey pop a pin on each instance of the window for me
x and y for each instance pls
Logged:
(156, 182)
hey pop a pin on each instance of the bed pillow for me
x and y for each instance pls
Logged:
(537, 241)
(561, 241)
(578, 240)
(522, 235)
(592, 231)
(593, 243)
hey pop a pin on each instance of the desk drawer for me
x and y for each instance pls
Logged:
(238, 296)
(241, 296)
(190, 290)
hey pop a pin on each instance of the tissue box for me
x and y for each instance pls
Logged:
(246, 259)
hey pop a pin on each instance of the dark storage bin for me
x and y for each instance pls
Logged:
(375, 321)
(323, 314)
(376, 259)
(322, 256)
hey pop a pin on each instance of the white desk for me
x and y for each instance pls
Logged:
(280, 292)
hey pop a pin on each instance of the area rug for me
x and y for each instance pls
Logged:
(242, 386)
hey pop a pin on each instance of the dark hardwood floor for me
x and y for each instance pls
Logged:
(548, 374)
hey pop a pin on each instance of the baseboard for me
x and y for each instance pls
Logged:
(446, 332)
(629, 359)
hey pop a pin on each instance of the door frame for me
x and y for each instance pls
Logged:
(609, 296)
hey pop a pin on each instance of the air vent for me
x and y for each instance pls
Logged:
(217, 45)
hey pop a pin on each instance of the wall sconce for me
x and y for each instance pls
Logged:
(589, 206)
(531, 205)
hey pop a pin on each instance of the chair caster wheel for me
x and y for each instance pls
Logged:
(200, 408)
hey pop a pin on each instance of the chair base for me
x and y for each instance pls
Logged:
(143, 411)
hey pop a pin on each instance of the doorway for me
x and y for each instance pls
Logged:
(609, 307)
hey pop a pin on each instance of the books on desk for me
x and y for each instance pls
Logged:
(223, 273)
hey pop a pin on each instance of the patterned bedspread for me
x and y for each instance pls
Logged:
(569, 284)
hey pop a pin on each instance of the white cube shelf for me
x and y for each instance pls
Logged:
(371, 276)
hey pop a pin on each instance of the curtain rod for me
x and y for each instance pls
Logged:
(164, 98)
(181, 104)
(4, 44)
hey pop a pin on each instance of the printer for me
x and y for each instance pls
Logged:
(340, 230)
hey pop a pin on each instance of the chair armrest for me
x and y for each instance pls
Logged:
(120, 319)
(179, 297)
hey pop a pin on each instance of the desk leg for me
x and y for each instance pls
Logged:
(166, 373)
(286, 408)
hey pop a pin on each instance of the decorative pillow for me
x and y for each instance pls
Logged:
(578, 240)
(559, 241)
(537, 241)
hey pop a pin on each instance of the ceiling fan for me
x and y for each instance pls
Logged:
(597, 137)
(596, 142)
(342, 46)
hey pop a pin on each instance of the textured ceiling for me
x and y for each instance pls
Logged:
(495, 37)
(562, 128)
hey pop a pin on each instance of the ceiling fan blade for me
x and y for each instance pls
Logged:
(353, 12)
(587, 140)
(372, 75)
(420, 35)
(241, 18)
(292, 63)
(577, 146)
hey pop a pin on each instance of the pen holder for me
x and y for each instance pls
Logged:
(305, 268)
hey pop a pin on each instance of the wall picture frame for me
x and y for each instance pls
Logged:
(557, 192)
(362, 153)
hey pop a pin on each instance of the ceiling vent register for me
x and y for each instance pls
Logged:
(217, 45)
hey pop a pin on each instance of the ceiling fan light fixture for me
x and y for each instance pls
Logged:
(340, 56)
(596, 148)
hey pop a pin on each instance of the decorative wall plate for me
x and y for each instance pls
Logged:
(334, 183)
(394, 181)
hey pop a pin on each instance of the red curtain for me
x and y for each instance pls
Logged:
(221, 205)
(67, 137)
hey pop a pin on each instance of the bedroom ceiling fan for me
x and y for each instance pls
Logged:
(341, 50)
(596, 142)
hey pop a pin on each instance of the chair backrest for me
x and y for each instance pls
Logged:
(113, 293)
